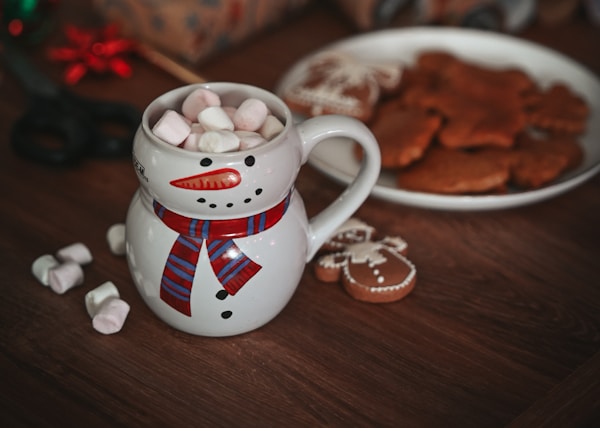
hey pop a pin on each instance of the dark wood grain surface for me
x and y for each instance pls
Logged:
(503, 327)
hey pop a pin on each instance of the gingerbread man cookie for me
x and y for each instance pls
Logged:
(338, 83)
(375, 271)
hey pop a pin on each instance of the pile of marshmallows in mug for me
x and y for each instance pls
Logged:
(204, 125)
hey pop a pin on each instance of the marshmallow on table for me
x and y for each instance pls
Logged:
(197, 101)
(41, 266)
(65, 276)
(111, 317)
(76, 252)
(105, 307)
(218, 142)
(215, 119)
(96, 297)
(115, 236)
(250, 115)
(172, 127)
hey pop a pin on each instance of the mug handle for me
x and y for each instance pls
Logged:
(320, 128)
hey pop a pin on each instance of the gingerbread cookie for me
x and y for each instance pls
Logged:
(433, 62)
(473, 123)
(375, 271)
(403, 133)
(481, 82)
(450, 171)
(338, 83)
(557, 109)
(481, 106)
(538, 161)
(444, 71)
(421, 88)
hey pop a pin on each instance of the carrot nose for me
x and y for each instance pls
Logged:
(224, 178)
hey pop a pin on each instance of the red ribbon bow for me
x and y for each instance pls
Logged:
(98, 50)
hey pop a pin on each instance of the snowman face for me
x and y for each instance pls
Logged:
(220, 185)
(229, 187)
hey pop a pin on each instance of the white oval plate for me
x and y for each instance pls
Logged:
(335, 157)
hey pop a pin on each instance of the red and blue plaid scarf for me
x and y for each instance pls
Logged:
(231, 266)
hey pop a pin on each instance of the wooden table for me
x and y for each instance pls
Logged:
(503, 327)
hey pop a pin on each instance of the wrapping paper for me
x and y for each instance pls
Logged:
(195, 29)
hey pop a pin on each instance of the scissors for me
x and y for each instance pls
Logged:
(76, 126)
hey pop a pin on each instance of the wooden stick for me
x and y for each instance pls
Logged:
(169, 65)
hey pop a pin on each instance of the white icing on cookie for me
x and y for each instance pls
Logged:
(339, 75)
(366, 252)
(396, 242)
(393, 287)
(352, 230)
(331, 98)
(332, 261)
(353, 224)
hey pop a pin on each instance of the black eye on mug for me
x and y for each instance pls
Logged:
(206, 162)
(249, 161)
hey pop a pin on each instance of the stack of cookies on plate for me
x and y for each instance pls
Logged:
(446, 125)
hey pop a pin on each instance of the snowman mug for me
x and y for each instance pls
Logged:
(226, 260)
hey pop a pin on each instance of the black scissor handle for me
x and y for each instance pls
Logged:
(68, 138)
(109, 114)
(77, 126)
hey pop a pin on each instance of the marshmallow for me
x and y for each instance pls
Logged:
(249, 139)
(197, 101)
(218, 142)
(76, 252)
(215, 119)
(191, 142)
(111, 316)
(41, 266)
(197, 128)
(172, 127)
(65, 276)
(250, 115)
(105, 307)
(115, 236)
(230, 110)
(271, 127)
(96, 297)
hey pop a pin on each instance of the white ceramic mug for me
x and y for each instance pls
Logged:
(220, 262)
